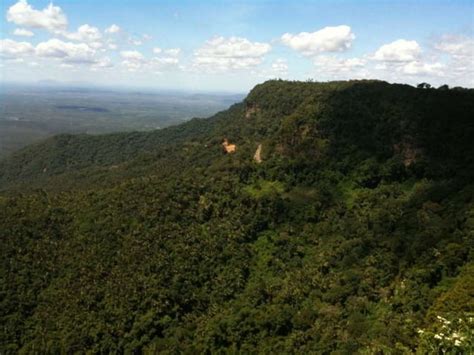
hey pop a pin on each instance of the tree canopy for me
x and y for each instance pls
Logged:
(353, 234)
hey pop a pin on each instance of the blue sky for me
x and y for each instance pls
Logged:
(233, 45)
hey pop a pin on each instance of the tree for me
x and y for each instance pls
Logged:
(424, 86)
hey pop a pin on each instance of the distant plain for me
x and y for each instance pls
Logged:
(31, 113)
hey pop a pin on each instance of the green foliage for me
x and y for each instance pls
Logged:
(352, 235)
(263, 188)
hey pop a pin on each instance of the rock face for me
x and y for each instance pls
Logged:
(408, 151)
(250, 110)
(229, 148)
(258, 154)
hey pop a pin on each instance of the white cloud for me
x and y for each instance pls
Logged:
(102, 63)
(420, 68)
(50, 18)
(66, 51)
(224, 64)
(222, 54)
(135, 41)
(168, 54)
(165, 61)
(403, 60)
(147, 37)
(328, 39)
(13, 49)
(278, 69)
(173, 52)
(133, 60)
(456, 46)
(132, 65)
(334, 64)
(23, 32)
(84, 33)
(112, 46)
(460, 52)
(132, 55)
(330, 67)
(113, 29)
(400, 50)
(280, 66)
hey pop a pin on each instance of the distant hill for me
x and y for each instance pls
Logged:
(310, 218)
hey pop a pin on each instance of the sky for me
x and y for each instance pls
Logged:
(230, 46)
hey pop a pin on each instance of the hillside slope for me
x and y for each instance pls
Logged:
(352, 233)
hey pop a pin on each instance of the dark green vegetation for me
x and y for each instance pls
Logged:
(354, 234)
(31, 113)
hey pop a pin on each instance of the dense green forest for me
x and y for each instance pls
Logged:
(342, 223)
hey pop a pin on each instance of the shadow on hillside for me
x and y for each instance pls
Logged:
(432, 128)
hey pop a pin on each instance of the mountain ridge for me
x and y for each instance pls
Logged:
(130, 144)
(352, 235)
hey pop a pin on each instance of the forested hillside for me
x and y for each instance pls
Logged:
(337, 218)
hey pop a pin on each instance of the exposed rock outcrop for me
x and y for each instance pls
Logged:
(250, 110)
(258, 154)
(229, 148)
(409, 152)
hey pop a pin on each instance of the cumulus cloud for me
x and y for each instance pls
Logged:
(280, 67)
(136, 61)
(221, 54)
(404, 61)
(328, 39)
(23, 32)
(332, 67)
(12, 49)
(84, 33)
(334, 64)
(400, 50)
(457, 46)
(133, 60)
(102, 63)
(132, 55)
(68, 52)
(171, 52)
(460, 53)
(50, 18)
(420, 68)
(132, 65)
(168, 59)
(113, 29)
(277, 69)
